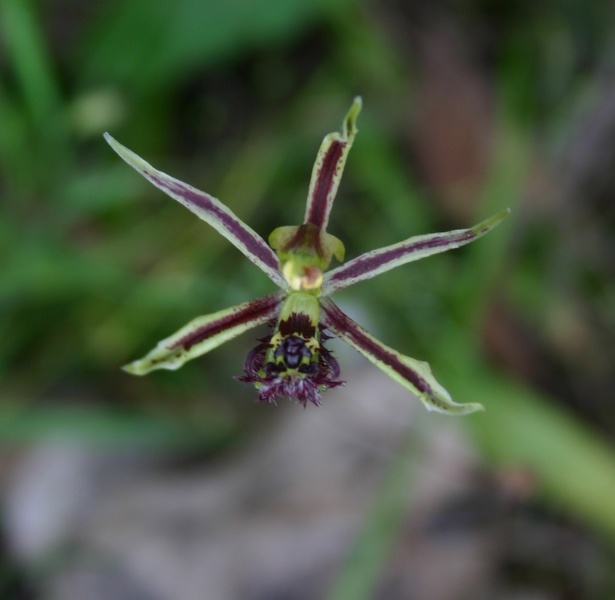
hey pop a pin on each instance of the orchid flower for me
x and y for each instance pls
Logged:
(292, 360)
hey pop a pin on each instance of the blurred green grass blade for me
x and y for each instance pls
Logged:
(13, 149)
(380, 170)
(103, 427)
(176, 38)
(26, 49)
(43, 147)
(367, 559)
(573, 466)
(99, 189)
(52, 271)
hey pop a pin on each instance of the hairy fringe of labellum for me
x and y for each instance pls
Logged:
(275, 382)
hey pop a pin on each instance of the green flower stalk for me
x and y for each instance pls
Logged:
(292, 360)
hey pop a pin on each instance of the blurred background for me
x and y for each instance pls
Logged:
(179, 486)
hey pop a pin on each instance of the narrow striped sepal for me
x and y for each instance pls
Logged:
(206, 333)
(211, 210)
(328, 169)
(413, 374)
(379, 261)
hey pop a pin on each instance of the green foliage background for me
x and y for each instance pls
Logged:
(234, 98)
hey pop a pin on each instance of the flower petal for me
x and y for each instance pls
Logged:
(328, 169)
(413, 374)
(206, 333)
(373, 263)
(211, 210)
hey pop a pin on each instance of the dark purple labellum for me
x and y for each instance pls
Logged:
(292, 363)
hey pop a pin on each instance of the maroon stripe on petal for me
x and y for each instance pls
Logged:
(371, 262)
(262, 307)
(318, 211)
(298, 323)
(345, 328)
(192, 197)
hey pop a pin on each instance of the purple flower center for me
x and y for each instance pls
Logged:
(291, 367)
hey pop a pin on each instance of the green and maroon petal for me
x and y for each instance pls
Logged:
(413, 374)
(211, 210)
(328, 169)
(379, 261)
(206, 333)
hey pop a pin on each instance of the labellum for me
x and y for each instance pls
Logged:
(292, 361)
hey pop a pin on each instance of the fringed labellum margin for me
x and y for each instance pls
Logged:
(292, 361)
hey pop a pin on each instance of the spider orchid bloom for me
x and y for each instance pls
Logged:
(292, 361)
